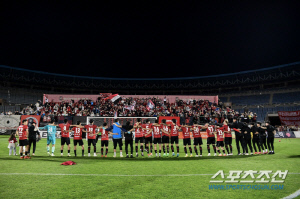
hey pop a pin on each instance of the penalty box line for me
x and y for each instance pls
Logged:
(115, 175)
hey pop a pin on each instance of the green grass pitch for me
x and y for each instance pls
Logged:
(143, 177)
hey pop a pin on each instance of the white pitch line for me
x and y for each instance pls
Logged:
(115, 175)
(293, 195)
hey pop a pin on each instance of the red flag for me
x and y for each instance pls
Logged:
(68, 163)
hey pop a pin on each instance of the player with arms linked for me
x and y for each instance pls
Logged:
(22, 132)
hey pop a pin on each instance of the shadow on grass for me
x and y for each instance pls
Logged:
(294, 156)
(100, 159)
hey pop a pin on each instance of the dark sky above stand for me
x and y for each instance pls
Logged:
(148, 39)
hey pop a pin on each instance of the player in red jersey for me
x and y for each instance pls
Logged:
(65, 136)
(228, 136)
(78, 137)
(157, 136)
(220, 140)
(165, 128)
(148, 136)
(91, 129)
(139, 136)
(210, 137)
(105, 138)
(186, 139)
(197, 138)
(22, 132)
(174, 137)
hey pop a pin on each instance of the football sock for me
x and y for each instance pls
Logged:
(172, 148)
(82, 152)
(106, 151)
(155, 151)
(151, 148)
(48, 149)
(164, 149)
(26, 152)
(69, 151)
(177, 149)
(208, 149)
(53, 148)
(195, 148)
(61, 151)
(21, 154)
(75, 153)
(230, 148)
(168, 149)
(185, 150)
(94, 149)
(227, 149)
(200, 147)
(142, 148)
(89, 149)
(214, 149)
(219, 151)
(101, 151)
(159, 152)
(136, 148)
(223, 151)
(115, 153)
(121, 153)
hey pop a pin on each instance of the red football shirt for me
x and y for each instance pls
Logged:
(138, 132)
(147, 126)
(174, 130)
(77, 133)
(104, 134)
(227, 128)
(220, 134)
(196, 132)
(186, 132)
(209, 130)
(91, 127)
(156, 131)
(64, 128)
(22, 132)
(166, 128)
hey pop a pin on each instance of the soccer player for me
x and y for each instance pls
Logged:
(247, 136)
(51, 136)
(91, 130)
(117, 137)
(165, 128)
(65, 136)
(197, 138)
(139, 137)
(228, 137)
(262, 138)
(148, 136)
(22, 132)
(255, 139)
(174, 137)
(211, 140)
(78, 137)
(220, 140)
(270, 140)
(104, 139)
(157, 137)
(128, 138)
(186, 139)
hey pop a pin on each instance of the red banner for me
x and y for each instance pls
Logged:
(290, 118)
(31, 118)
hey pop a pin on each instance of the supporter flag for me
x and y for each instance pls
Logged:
(150, 105)
(115, 114)
(114, 98)
(130, 107)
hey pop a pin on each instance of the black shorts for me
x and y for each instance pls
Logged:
(65, 140)
(174, 139)
(23, 142)
(165, 139)
(141, 139)
(157, 141)
(211, 140)
(228, 140)
(148, 140)
(220, 143)
(104, 143)
(116, 142)
(80, 142)
(92, 141)
(198, 141)
(187, 141)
